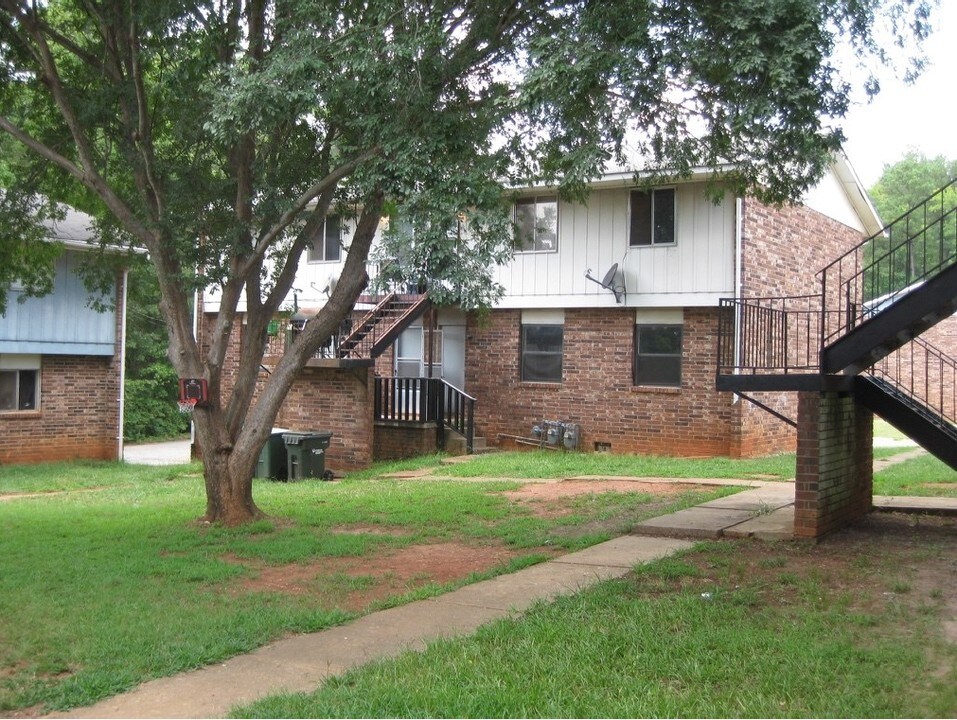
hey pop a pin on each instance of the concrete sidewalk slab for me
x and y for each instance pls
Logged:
(777, 525)
(759, 500)
(696, 522)
(929, 505)
(725, 482)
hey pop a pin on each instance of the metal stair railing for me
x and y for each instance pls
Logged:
(927, 376)
(769, 335)
(380, 326)
(889, 264)
(426, 400)
(351, 345)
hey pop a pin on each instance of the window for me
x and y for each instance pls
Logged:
(652, 218)
(19, 390)
(658, 355)
(542, 353)
(327, 247)
(536, 225)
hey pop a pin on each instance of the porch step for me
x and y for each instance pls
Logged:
(455, 444)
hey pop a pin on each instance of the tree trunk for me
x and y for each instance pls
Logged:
(228, 473)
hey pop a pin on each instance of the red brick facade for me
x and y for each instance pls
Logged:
(394, 441)
(597, 390)
(337, 400)
(782, 250)
(79, 410)
(834, 484)
(78, 417)
(323, 399)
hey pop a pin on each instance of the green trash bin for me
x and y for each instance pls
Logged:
(273, 463)
(306, 454)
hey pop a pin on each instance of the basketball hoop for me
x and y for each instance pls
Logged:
(193, 393)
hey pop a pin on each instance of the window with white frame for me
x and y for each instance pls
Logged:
(542, 347)
(327, 245)
(652, 218)
(19, 383)
(658, 355)
(536, 224)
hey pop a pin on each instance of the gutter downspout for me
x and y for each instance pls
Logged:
(738, 235)
(192, 425)
(121, 430)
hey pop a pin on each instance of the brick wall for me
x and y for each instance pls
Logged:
(834, 483)
(597, 391)
(922, 373)
(322, 399)
(394, 441)
(78, 417)
(783, 248)
(79, 412)
(336, 400)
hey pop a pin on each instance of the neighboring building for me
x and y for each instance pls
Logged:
(61, 364)
(628, 353)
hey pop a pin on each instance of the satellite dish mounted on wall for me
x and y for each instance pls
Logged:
(608, 282)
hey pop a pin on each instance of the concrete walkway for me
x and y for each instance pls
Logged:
(173, 452)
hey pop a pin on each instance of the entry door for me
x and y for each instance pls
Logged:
(453, 355)
(408, 353)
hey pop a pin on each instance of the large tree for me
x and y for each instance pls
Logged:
(909, 181)
(920, 236)
(218, 134)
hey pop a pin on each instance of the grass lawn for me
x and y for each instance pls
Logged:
(849, 627)
(921, 476)
(107, 581)
(113, 582)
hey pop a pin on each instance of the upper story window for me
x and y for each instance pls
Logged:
(536, 224)
(327, 245)
(19, 383)
(652, 217)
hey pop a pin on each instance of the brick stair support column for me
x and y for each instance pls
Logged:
(834, 483)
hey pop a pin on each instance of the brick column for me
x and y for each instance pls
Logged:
(834, 483)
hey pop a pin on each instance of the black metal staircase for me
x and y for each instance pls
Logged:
(875, 302)
(382, 325)
(893, 286)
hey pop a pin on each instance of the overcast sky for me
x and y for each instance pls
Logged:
(920, 116)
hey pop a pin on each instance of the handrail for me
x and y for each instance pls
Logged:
(459, 413)
(361, 330)
(769, 335)
(426, 400)
(890, 263)
(924, 373)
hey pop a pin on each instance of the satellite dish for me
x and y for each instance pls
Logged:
(608, 282)
(609, 279)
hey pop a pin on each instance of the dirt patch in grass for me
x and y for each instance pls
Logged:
(355, 583)
(550, 500)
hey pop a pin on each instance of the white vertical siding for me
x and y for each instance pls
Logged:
(696, 270)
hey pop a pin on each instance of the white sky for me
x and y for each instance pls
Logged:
(919, 116)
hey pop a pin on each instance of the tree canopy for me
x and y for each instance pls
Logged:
(218, 134)
(909, 181)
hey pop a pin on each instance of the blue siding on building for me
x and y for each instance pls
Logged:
(61, 323)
